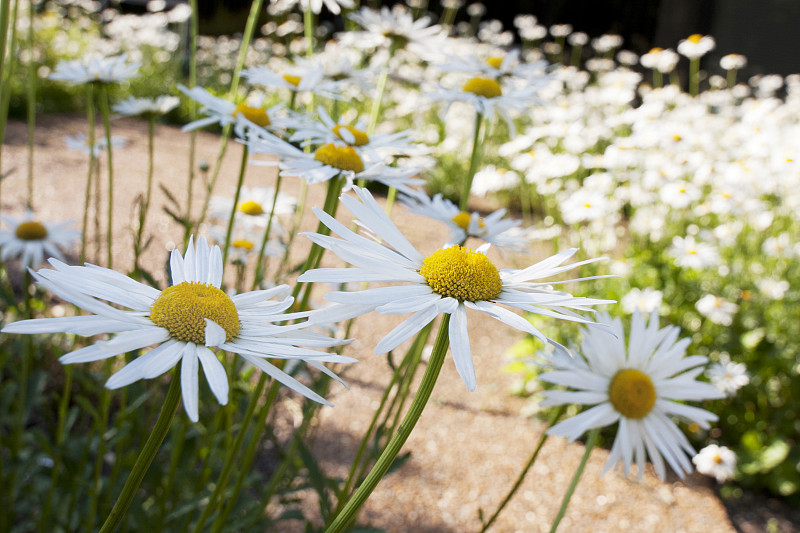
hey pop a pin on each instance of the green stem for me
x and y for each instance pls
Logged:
(30, 84)
(658, 79)
(349, 512)
(137, 249)
(379, 92)
(232, 455)
(260, 264)
(106, 113)
(194, 26)
(473, 161)
(575, 57)
(731, 78)
(559, 412)
(239, 183)
(146, 455)
(177, 441)
(308, 30)
(298, 217)
(694, 76)
(589, 445)
(90, 174)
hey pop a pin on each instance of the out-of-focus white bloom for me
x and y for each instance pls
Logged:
(696, 45)
(31, 241)
(644, 301)
(578, 38)
(95, 69)
(716, 461)
(733, 62)
(779, 246)
(147, 106)
(772, 288)
(492, 179)
(689, 253)
(80, 142)
(717, 309)
(728, 376)
(679, 194)
(663, 60)
(606, 43)
(334, 6)
(585, 205)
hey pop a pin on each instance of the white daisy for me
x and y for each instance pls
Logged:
(147, 106)
(255, 204)
(716, 461)
(184, 321)
(493, 228)
(717, 309)
(95, 69)
(689, 253)
(450, 280)
(696, 45)
(334, 6)
(299, 78)
(223, 112)
(640, 388)
(31, 240)
(644, 301)
(396, 29)
(728, 376)
(80, 142)
(329, 161)
(497, 66)
(375, 147)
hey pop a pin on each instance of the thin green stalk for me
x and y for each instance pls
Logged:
(176, 449)
(589, 445)
(315, 255)
(575, 57)
(260, 264)
(137, 248)
(298, 216)
(350, 511)
(731, 78)
(146, 455)
(378, 100)
(231, 455)
(694, 76)
(194, 29)
(473, 161)
(239, 183)
(7, 18)
(102, 426)
(90, 174)
(658, 79)
(559, 412)
(30, 104)
(308, 30)
(105, 111)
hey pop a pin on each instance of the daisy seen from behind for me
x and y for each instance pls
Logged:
(183, 323)
(640, 388)
(95, 69)
(31, 240)
(450, 281)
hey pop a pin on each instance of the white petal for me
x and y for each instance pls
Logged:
(215, 334)
(406, 329)
(189, 386)
(459, 345)
(215, 374)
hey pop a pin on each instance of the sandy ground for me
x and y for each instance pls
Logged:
(467, 448)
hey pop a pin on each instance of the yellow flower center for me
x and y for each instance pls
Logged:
(694, 38)
(462, 274)
(656, 50)
(632, 393)
(251, 208)
(182, 308)
(256, 115)
(31, 231)
(462, 221)
(294, 80)
(495, 61)
(341, 157)
(243, 244)
(361, 137)
(717, 459)
(486, 87)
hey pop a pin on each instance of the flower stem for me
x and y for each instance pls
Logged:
(105, 111)
(589, 445)
(524, 472)
(694, 76)
(194, 28)
(87, 200)
(239, 183)
(137, 249)
(308, 30)
(146, 455)
(349, 512)
(260, 265)
(30, 85)
(473, 161)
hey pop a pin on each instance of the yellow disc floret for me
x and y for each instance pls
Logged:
(31, 231)
(294, 80)
(182, 308)
(242, 244)
(486, 87)
(694, 38)
(495, 61)
(256, 115)
(251, 208)
(361, 137)
(462, 221)
(462, 274)
(632, 393)
(341, 157)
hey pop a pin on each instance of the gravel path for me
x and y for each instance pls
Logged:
(467, 448)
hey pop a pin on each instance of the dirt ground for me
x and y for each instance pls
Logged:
(468, 448)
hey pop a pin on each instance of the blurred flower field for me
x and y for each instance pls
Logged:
(631, 216)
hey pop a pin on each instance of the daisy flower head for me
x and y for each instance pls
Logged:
(450, 280)
(375, 147)
(254, 205)
(395, 29)
(717, 309)
(696, 45)
(299, 78)
(716, 461)
(30, 240)
(330, 161)
(639, 387)
(334, 6)
(493, 228)
(220, 111)
(149, 107)
(688, 253)
(80, 142)
(184, 322)
(95, 69)
(498, 65)
(728, 376)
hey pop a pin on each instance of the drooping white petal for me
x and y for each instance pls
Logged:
(189, 385)
(459, 345)
(215, 374)
(215, 334)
